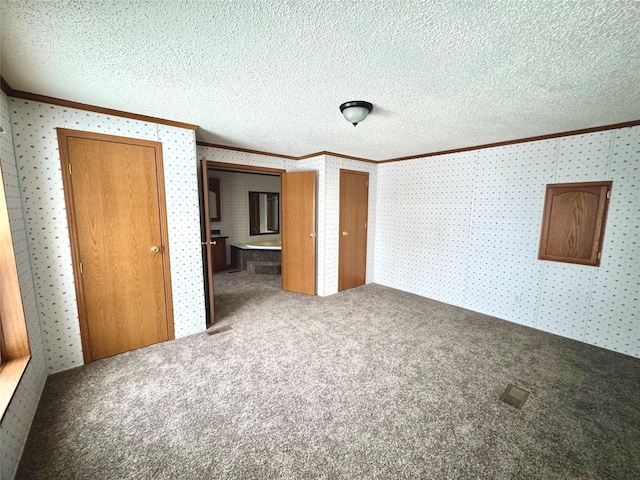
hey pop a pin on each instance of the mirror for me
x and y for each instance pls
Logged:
(214, 199)
(264, 213)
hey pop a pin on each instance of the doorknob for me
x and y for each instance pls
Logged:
(311, 235)
(155, 249)
(344, 234)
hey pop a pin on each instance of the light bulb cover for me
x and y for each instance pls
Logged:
(356, 111)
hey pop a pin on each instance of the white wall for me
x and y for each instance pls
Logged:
(328, 216)
(234, 200)
(327, 206)
(44, 207)
(17, 419)
(464, 229)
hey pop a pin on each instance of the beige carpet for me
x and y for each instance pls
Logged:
(368, 383)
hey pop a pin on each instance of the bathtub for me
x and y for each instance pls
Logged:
(260, 245)
(259, 254)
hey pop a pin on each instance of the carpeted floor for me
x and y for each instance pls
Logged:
(368, 383)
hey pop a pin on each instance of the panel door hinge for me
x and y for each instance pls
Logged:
(609, 194)
(599, 255)
(69, 168)
(81, 269)
(367, 183)
(365, 224)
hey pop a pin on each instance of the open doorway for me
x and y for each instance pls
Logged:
(259, 220)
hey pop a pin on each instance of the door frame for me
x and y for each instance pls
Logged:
(366, 243)
(63, 134)
(205, 222)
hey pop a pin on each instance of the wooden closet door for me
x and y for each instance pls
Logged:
(117, 219)
(354, 210)
(299, 232)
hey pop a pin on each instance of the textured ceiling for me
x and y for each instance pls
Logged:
(270, 75)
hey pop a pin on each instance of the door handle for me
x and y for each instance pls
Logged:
(311, 235)
(344, 234)
(155, 249)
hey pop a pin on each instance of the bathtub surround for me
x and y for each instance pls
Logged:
(245, 257)
(234, 198)
(368, 383)
(259, 256)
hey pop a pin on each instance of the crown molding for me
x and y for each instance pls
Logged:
(34, 97)
(10, 92)
(279, 155)
(569, 133)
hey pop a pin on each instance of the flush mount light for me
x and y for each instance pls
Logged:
(356, 111)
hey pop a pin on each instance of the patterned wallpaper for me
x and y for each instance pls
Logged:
(327, 205)
(17, 420)
(460, 228)
(613, 320)
(183, 218)
(240, 158)
(43, 202)
(234, 200)
(464, 229)
(424, 206)
(328, 216)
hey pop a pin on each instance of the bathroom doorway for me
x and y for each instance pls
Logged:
(234, 238)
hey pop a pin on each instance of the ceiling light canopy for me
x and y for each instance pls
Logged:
(356, 111)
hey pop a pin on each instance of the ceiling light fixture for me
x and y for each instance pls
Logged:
(356, 111)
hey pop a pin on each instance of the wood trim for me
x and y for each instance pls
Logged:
(355, 172)
(10, 376)
(279, 155)
(236, 167)
(569, 133)
(34, 97)
(520, 140)
(6, 88)
(14, 338)
(214, 188)
(206, 240)
(164, 235)
(246, 150)
(339, 155)
(75, 244)
(63, 134)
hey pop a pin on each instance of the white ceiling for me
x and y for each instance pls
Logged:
(270, 75)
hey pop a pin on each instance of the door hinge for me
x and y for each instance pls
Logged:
(69, 168)
(609, 194)
(367, 183)
(365, 224)
(599, 255)
(81, 269)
